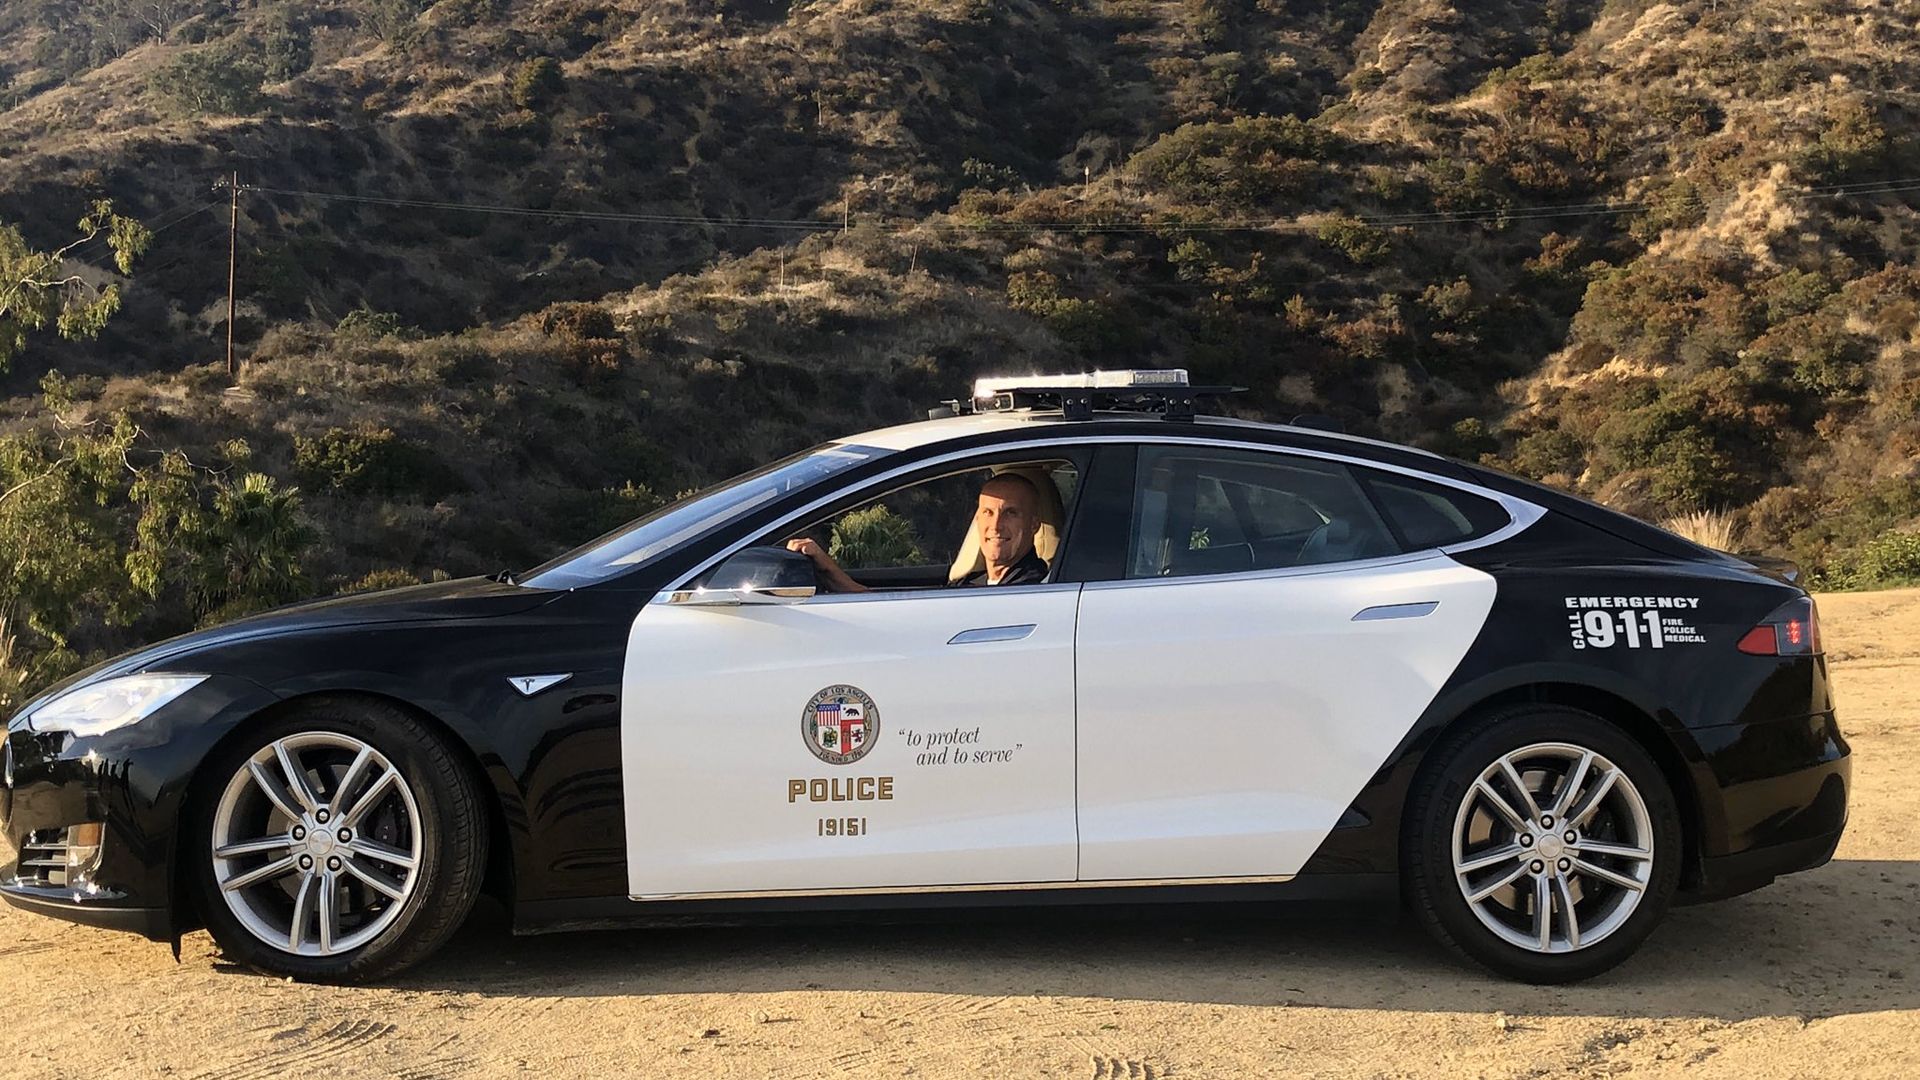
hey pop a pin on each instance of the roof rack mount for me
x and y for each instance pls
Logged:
(1165, 392)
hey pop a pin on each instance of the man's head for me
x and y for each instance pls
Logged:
(1008, 515)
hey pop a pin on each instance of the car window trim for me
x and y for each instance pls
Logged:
(1191, 475)
(1521, 513)
(881, 485)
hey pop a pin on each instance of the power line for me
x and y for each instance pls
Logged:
(183, 218)
(1541, 212)
(151, 232)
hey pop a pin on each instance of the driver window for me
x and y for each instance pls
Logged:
(922, 536)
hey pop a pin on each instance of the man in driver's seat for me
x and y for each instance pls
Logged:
(1006, 516)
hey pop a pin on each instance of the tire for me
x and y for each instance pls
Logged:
(376, 871)
(1619, 873)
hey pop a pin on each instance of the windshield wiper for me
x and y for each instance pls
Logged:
(504, 577)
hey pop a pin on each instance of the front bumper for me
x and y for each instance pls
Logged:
(152, 922)
(134, 782)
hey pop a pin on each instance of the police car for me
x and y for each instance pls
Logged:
(1263, 663)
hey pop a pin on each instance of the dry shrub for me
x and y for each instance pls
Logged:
(591, 349)
(1708, 528)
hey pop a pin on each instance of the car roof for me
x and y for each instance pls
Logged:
(925, 433)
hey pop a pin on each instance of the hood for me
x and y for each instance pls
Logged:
(465, 598)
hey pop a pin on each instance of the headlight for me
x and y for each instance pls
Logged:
(98, 708)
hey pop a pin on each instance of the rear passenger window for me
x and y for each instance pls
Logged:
(1200, 510)
(1429, 515)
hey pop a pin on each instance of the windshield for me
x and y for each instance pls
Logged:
(637, 541)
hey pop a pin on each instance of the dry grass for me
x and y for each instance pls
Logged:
(1710, 528)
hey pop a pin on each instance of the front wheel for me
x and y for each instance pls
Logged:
(338, 842)
(1543, 843)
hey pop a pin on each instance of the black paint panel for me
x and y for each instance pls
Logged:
(1749, 742)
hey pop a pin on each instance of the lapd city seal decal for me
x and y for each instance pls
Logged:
(840, 724)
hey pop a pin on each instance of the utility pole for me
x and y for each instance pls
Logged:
(233, 263)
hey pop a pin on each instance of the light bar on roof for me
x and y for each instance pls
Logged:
(983, 389)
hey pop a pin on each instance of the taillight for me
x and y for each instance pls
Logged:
(1792, 630)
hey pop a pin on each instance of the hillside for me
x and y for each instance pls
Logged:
(513, 271)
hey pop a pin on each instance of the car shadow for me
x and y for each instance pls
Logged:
(1838, 940)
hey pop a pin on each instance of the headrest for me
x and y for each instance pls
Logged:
(1046, 537)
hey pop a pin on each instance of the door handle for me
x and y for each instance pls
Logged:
(991, 633)
(1396, 611)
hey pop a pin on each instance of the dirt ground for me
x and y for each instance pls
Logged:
(1817, 975)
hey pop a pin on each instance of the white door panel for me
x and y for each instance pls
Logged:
(712, 738)
(1226, 723)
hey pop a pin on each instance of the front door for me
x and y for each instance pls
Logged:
(888, 740)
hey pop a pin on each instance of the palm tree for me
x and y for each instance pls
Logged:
(255, 537)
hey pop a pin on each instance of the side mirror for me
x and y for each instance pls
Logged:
(755, 575)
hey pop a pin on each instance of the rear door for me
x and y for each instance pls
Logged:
(1272, 641)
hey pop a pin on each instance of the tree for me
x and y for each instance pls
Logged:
(248, 553)
(37, 287)
(59, 532)
(213, 80)
(99, 531)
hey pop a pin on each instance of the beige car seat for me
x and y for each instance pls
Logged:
(1046, 538)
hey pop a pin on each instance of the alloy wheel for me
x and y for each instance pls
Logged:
(1553, 847)
(316, 843)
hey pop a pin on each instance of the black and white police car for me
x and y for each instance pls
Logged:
(1263, 662)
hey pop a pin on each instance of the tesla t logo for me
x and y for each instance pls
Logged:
(529, 685)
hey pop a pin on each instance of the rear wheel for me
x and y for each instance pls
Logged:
(1543, 843)
(340, 841)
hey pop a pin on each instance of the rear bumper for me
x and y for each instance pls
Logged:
(1778, 803)
(1732, 875)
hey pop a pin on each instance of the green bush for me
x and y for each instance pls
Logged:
(1885, 562)
(396, 22)
(370, 461)
(537, 83)
(378, 580)
(1089, 325)
(471, 12)
(1817, 353)
(1241, 162)
(579, 516)
(211, 80)
(1853, 144)
(366, 324)
(1469, 440)
(286, 47)
(874, 537)
(986, 174)
(1357, 240)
